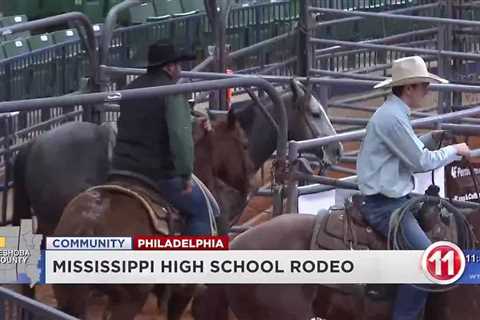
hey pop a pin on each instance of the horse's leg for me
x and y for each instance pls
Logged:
(126, 301)
(272, 302)
(267, 301)
(44, 227)
(179, 299)
(72, 299)
(162, 293)
(21, 203)
(210, 304)
(21, 200)
(26, 290)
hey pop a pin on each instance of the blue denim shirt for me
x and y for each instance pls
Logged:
(391, 152)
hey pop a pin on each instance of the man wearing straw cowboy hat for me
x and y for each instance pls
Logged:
(389, 156)
(155, 138)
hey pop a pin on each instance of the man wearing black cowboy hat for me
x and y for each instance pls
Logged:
(155, 138)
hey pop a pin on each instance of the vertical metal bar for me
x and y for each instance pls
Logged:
(110, 22)
(444, 69)
(221, 37)
(7, 168)
(304, 54)
(457, 46)
(292, 186)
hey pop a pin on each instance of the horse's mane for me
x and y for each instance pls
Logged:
(240, 105)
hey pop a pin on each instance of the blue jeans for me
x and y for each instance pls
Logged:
(377, 210)
(193, 206)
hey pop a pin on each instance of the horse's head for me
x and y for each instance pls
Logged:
(223, 144)
(231, 160)
(308, 120)
(223, 163)
(202, 126)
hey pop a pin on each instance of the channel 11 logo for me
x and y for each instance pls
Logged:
(443, 262)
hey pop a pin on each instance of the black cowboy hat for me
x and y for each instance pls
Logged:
(164, 52)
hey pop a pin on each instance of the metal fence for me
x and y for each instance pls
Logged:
(57, 70)
(64, 64)
(14, 306)
(343, 46)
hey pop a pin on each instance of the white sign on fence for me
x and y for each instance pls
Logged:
(312, 203)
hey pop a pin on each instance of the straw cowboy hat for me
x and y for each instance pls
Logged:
(409, 70)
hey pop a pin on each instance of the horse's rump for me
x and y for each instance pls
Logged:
(165, 218)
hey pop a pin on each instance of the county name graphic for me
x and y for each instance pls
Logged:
(20, 254)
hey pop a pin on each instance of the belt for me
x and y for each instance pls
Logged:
(378, 196)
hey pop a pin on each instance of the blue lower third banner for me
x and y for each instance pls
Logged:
(442, 264)
(82, 260)
(471, 275)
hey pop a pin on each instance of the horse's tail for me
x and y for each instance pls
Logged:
(21, 201)
(211, 304)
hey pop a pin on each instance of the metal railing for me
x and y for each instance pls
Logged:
(295, 147)
(246, 26)
(16, 306)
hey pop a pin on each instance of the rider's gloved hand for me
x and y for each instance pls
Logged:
(462, 149)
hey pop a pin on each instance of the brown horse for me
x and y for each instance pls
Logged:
(237, 174)
(109, 213)
(304, 301)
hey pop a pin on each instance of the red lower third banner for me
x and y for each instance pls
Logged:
(180, 242)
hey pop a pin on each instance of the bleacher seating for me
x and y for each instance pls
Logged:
(40, 41)
(12, 20)
(15, 47)
(65, 35)
(140, 14)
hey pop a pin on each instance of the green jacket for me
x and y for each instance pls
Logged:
(179, 125)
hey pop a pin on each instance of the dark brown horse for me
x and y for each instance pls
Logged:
(303, 301)
(109, 213)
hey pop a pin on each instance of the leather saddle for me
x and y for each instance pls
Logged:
(165, 219)
(345, 229)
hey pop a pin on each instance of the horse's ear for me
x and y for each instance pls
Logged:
(298, 89)
(231, 119)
